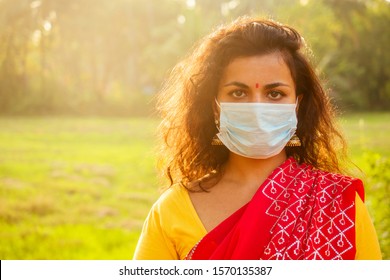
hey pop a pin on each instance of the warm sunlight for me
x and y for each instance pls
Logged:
(79, 82)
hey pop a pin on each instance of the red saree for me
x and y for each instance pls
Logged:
(297, 213)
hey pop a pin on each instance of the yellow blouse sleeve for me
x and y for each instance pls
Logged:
(153, 243)
(367, 245)
(171, 229)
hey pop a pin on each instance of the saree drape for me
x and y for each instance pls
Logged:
(297, 213)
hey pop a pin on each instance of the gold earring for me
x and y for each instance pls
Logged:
(216, 142)
(294, 141)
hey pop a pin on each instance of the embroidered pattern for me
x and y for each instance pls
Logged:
(311, 219)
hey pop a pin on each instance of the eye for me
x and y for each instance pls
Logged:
(237, 94)
(275, 95)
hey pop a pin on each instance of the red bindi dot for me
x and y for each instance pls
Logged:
(257, 85)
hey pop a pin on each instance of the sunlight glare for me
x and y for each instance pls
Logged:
(47, 26)
(36, 37)
(229, 6)
(181, 19)
(304, 2)
(35, 4)
(191, 4)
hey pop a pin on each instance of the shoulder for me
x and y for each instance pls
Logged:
(336, 178)
(167, 212)
(345, 184)
(172, 203)
(308, 171)
(333, 183)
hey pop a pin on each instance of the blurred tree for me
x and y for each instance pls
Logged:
(362, 59)
(17, 23)
(97, 56)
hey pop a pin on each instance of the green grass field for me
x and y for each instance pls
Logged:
(80, 188)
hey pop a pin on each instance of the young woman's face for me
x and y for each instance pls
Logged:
(263, 79)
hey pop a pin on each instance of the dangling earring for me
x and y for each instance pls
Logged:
(294, 141)
(215, 141)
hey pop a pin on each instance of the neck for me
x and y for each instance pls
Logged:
(251, 172)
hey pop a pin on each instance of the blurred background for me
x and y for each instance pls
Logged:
(77, 85)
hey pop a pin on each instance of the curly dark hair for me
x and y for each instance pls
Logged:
(186, 101)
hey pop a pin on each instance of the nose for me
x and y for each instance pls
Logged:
(256, 96)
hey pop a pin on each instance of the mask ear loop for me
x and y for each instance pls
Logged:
(216, 116)
(218, 104)
(216, 141)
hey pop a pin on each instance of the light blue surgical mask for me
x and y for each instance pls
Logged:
(256, 130)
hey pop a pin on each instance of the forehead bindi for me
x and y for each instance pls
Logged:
(257, 71)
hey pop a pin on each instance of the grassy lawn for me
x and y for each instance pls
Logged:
(74, 188)
(80, 188)
(368, 136)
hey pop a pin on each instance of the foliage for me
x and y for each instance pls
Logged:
(110, 57)
(80, 188)
(361, 61)
(378, 183)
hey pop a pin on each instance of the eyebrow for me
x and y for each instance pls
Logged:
(238, 84)
(269, 86)
(274, 85)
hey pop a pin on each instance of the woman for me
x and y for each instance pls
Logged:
(251, 152)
